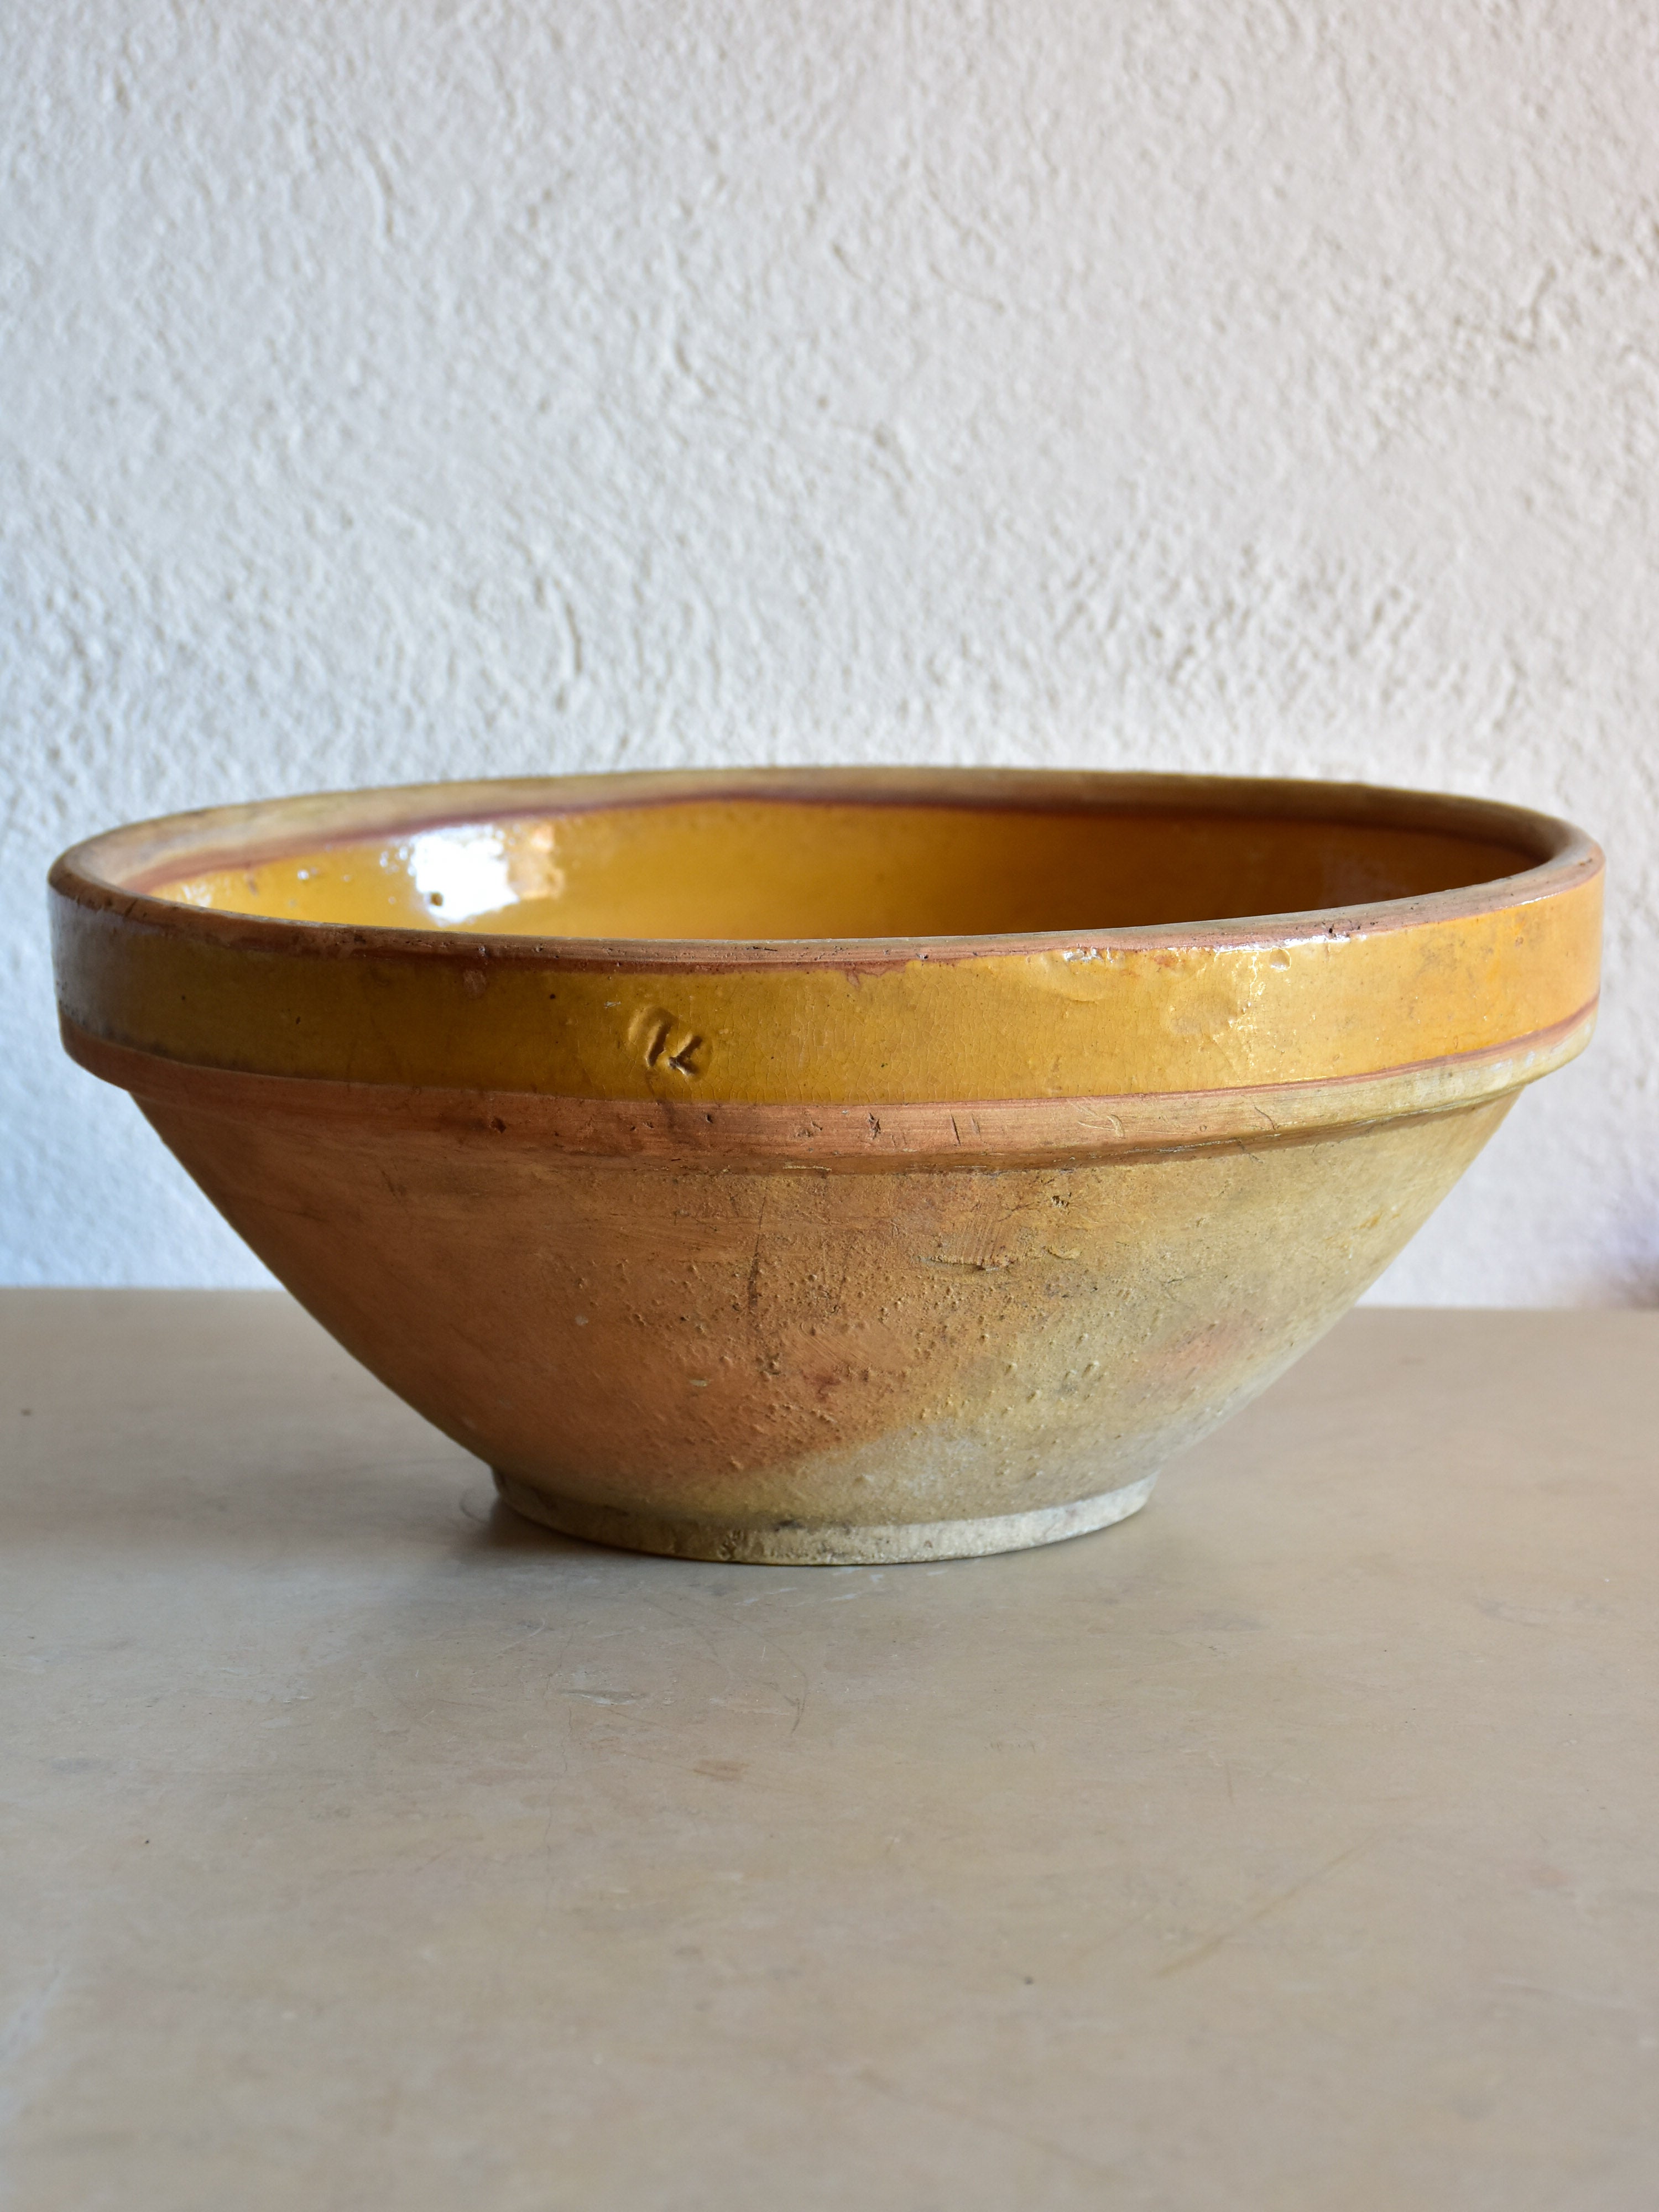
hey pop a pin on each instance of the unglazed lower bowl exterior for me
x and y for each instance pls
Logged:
(836, 1165)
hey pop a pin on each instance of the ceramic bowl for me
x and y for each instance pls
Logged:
(832, 1165)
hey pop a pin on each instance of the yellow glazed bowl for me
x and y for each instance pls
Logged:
(830, 1165)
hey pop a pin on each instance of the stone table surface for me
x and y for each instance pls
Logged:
(1295, 1844)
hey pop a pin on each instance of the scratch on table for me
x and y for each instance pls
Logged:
(800, 1703)
(1213, 1944)
(1597, 2004)
(979, 2118)
(19, 2036)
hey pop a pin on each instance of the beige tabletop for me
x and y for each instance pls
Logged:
(1294, 1844)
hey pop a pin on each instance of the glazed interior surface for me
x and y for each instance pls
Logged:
(737, 868)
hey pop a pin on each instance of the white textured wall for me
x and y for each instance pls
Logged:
(396, 391)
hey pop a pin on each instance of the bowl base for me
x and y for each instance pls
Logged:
(841, 1544)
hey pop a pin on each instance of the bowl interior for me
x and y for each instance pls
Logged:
(769, 868)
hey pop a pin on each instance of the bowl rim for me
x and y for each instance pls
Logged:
(117, 869)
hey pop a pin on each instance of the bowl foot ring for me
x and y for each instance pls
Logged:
(841, 1544)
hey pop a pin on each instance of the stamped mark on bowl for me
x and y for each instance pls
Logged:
(667, 1041)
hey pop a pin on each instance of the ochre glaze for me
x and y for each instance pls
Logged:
(1113, 1007)
(793, 869)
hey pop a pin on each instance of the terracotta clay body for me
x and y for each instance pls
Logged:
(728, 1228)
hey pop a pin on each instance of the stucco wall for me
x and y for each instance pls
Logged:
(400, 391)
